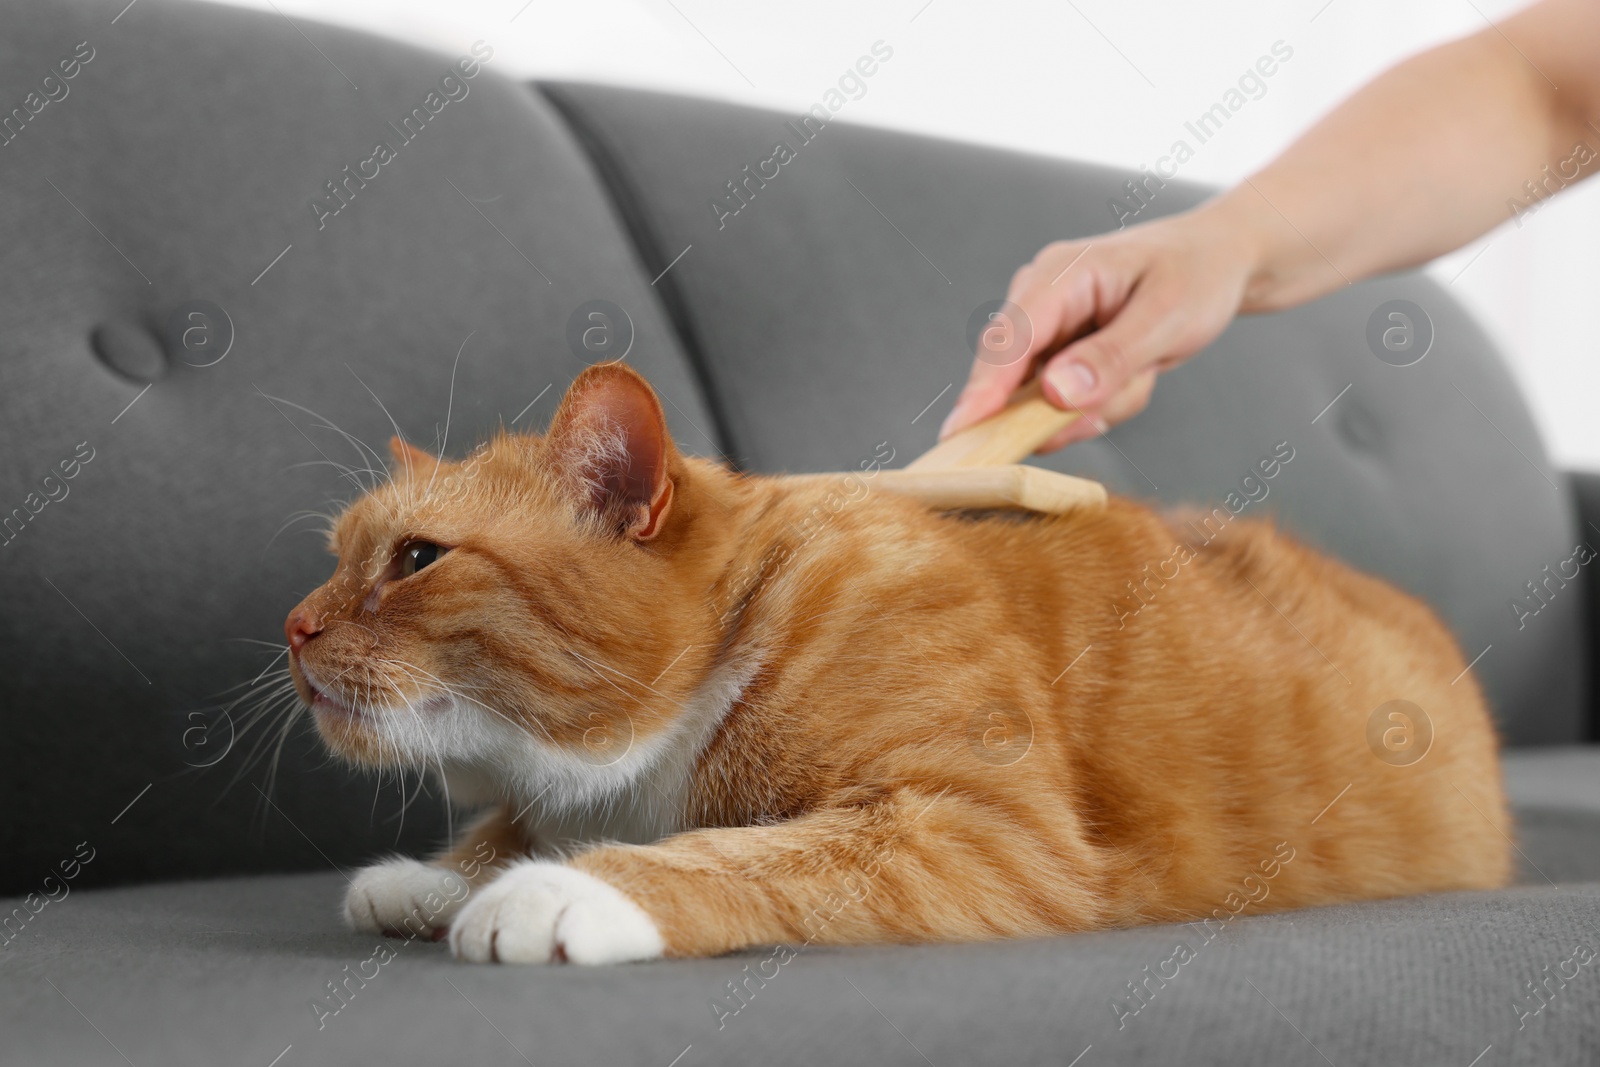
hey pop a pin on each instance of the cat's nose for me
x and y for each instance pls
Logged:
(301, 626)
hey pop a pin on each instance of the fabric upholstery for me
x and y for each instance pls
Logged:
(1586, 491)
(195, 140)
(227, 971)
(180, 164)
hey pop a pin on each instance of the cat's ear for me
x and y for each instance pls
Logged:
(609, 440)
(408, 457)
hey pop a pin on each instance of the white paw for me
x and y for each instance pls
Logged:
(541, 912)
(404, 897)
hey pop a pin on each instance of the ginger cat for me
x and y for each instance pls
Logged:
(710, 711)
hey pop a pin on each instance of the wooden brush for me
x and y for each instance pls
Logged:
(981, 467)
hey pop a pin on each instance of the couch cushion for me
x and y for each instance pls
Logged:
(1557, 796)
(228, 971)
(181, 165)
(833, 308)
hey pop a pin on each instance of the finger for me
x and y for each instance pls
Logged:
(985, 393)
(1019, 280)
(1134, 398)
(1092, 370)
(1007, 346)
(1061, 293)
(1038, 319)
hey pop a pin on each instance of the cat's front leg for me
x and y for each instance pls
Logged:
(909, 867)
(542, 912)
(403, 897)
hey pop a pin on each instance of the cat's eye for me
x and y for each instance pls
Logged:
(417, 555)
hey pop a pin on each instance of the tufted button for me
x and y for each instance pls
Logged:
(130, 350)
(1358, 426)
(199, 332)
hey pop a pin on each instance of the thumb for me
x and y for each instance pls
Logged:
(1091, 370)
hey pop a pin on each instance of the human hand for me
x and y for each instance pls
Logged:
(1106, 314)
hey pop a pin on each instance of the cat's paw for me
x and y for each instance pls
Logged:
(541, 912)
(404, 898)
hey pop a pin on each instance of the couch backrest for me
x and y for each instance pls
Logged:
(181, 166)
(828, 295)
(179, 306)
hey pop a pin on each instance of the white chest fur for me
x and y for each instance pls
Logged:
(566, 799)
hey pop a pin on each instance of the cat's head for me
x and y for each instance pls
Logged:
(518, 607)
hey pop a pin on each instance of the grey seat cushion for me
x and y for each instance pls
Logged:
(228, 971)
(833, 308)
(1557, 796)
(194, 141)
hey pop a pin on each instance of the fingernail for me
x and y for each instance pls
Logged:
(1072, 381)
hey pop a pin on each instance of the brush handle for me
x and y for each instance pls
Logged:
(1009, 436)
(979, 468)
(1008, 486)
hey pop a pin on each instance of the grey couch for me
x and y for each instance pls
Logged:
(183, 327)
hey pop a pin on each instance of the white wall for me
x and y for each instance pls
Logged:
(1103, 80)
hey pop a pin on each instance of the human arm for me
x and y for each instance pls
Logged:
(1418, 162)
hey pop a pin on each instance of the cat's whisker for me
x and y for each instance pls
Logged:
(438, 759)
(364, 450)
(426, 733)
(377, 794)
(368, 462)
(457, 689)
(464, 699)
(350, 467)
(270, 706)
(282, 652)
(386, 414)
(631, 696)
(346, 472)
(360, 626)
(403, 760)
(281, 672)
(532, 720)
(256, 702)
(277, 751)
(457, 699)
(450, 405)
(287, 714)
(329, 521)
(596, 666)
(414, 670)
(282, 707)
